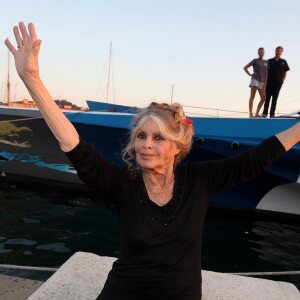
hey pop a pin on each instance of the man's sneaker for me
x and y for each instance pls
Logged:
(263, 116)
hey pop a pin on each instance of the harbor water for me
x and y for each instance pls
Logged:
(43, 224)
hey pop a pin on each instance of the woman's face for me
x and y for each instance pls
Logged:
(261, 53)
(152, 150)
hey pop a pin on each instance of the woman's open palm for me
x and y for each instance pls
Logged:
(26, 56)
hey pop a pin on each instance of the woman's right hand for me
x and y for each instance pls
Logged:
(26, 56)
(26, 59)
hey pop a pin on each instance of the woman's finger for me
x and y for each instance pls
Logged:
(32, 32)
(36, 47)
(9, 45)
(24, 32)
(18, 36)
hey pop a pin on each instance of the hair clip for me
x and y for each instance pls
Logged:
(186, 121)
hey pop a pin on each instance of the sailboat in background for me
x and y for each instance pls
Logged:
(107, 106)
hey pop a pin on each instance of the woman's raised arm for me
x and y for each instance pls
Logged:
(26, 61)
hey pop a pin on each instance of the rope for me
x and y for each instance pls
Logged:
(46, 269)
(267, 273)
(17, 120)
(30, 268)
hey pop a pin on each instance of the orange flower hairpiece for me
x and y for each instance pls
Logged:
(186, 121)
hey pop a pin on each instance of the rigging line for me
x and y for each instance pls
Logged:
(217, 109)
(204, 115)
(109, 68)
(102, 77)
(113, 78)
(288, 112)
(208, 115)
(280, 104)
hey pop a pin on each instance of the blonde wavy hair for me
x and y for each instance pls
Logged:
(173, 126)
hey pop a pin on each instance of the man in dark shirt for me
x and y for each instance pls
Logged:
(276, 76)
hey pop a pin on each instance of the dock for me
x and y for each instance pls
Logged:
(15, 288)
(83, 276)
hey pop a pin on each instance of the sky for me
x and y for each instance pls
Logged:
(198, 47)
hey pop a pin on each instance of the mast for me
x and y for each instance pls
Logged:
(8, 80)
(172, 93)
(109, 68)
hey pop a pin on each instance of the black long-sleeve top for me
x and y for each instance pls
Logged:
(160, 255)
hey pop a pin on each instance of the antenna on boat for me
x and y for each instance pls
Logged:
(8, 79)
(172, 93)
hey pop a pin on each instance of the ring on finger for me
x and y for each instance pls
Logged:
(20, 44)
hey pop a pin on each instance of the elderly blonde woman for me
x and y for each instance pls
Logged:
(161, 203)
